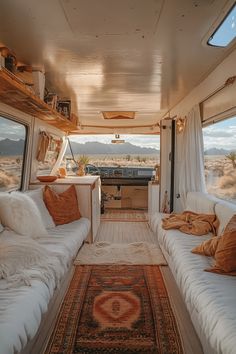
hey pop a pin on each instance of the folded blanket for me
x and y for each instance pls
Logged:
(192, 223)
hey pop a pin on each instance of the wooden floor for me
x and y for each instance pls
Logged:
(125, 232)
(128, 232)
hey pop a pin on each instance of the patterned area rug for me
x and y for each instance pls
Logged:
(124, 215)
(118, 310)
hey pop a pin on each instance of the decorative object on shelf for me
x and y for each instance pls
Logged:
(47, 179)
(64, 108)
(51, 99)
(39, 83)
(10, 63)
(62, 172)
(82, 162)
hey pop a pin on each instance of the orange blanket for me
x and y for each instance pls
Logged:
(192, 223)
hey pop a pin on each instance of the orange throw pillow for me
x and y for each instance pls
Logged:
(225, 255)
(62, 207)
(207, 248)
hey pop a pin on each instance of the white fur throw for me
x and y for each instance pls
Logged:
(20, 213)
(23, 259)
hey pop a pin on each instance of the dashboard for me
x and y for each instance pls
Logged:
(122, 175)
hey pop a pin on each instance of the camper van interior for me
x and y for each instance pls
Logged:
(117, 176)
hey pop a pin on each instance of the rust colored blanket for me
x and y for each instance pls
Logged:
(116, 310)
(192, 223)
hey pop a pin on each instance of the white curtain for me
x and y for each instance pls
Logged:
(191, 173)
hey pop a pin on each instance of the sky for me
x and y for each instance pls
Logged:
(219, 135)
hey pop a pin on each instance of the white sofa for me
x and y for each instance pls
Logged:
(24, 310)
(210, 298)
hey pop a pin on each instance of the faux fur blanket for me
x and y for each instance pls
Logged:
(23, 259)
(192, 223)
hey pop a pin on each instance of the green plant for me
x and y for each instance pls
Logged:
(83, 160)
(232, 157)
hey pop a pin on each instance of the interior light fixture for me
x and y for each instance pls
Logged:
(180, 125)
(117, 140)
(225, 33)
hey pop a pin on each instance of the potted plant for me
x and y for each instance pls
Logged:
(82, 162)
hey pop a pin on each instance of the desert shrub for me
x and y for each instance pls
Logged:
(226, 182)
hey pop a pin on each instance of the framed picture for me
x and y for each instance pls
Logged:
(64, 107)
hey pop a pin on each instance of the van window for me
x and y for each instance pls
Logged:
(220, 159)
(12, 147)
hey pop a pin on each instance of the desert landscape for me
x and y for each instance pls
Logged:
(220, 171)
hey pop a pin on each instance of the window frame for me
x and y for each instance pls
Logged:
(217, 28)
(25, 151)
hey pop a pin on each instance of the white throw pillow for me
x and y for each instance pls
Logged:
(20, 213)
(37, 196)
(1, 227)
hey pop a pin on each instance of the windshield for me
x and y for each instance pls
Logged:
(127, 151)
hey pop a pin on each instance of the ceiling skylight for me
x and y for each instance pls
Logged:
(226, 32)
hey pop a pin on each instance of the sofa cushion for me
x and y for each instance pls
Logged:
(201, 203)
(210, 298)
(63, 207)
(207, 247)
(225, 255)
(37, 196)
(224, 211)
(20, 213)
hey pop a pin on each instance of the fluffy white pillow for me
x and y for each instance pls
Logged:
(20, 213)
(37, 196)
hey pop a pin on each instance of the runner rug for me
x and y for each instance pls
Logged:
(118, 310)
(124, 215)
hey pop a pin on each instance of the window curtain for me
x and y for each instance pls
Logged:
(191, 176)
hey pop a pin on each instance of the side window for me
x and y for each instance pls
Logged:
(220, 159)
(12, 147)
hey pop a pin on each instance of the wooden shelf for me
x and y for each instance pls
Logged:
(15, 93)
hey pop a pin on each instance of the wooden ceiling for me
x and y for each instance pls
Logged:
(116, 55)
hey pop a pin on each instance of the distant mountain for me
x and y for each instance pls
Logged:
(93, 148)
(215, 151)
(10, 147)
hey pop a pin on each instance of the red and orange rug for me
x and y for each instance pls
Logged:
(116, 309)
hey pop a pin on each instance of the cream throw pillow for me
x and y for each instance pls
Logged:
(37, 196)
(20, 213)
